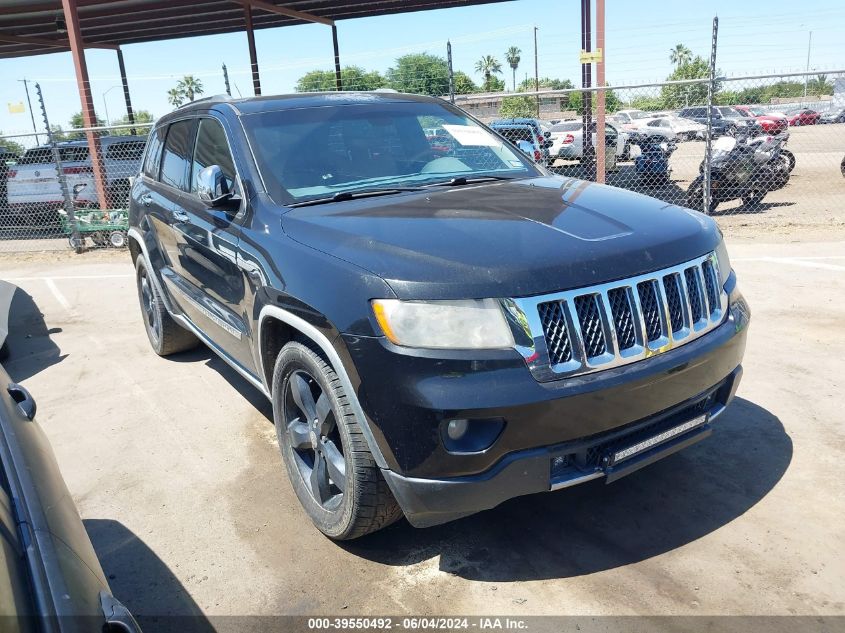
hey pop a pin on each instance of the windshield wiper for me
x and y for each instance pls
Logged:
(458, 181)
(340, 196)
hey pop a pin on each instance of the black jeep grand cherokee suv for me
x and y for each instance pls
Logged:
(440, 326)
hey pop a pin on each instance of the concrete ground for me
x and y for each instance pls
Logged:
(174, 468)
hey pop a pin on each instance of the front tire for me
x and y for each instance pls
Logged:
(326, 456)
(166, 336)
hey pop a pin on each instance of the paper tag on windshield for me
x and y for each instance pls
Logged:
(471, 135)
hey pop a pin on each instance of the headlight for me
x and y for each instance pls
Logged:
(724, 262)
(471, 324)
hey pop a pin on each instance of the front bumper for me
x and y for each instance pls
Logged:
(428, 502)
(556, 434)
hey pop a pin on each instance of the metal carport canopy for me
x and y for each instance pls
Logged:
(30, 28)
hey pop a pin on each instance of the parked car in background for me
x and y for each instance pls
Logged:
(673, 128)
(567, 139)
(833, 116)
(525, 138)
(536, 125)
(629, 120)
(769, 122)
(7, 161)
(726, 120)
(802, 116)
(436, 335)
(34, 187)
(49, 572)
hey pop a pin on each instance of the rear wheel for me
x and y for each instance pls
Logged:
(327, 458)
(753, 198)
(695, 199)
(165, 335)
(789, 157)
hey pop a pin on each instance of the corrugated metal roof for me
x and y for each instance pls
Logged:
(118, 22)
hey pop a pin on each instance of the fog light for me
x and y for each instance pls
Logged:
(456, 429)
(470, 435)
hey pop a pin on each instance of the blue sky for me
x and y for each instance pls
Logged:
(761, 37)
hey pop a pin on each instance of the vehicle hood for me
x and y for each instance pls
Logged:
(504, 239)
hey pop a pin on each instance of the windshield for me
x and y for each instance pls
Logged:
(311, 153)
(728, 112)
(641, 115)
(566, 126)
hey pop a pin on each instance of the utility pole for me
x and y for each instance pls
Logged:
(711, 89)
(807, 75)
(76, 240)
(451, 74)
(25, 83)
(536, 75)
(226, 80)
(588, 159)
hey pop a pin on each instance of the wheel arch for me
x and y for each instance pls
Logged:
(276, 327)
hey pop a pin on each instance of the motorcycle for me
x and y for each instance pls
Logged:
(652, 164)
(741, 170)
(765, 143)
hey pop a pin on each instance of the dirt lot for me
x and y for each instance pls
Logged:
(812, 204)
(174, 467)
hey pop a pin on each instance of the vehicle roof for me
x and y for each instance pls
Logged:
(272, 103)
(519, 119)
(107, 140)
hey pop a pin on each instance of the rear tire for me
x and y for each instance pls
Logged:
(326, 455)
(165, 334)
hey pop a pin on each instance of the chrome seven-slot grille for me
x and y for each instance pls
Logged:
(599, 327)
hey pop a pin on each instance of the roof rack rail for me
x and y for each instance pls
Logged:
(211, 99)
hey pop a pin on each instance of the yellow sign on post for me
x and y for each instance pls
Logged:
(16, 108)
(591, 57)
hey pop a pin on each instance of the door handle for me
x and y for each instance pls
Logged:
(147, 199)
(24, 400)
(180, 216)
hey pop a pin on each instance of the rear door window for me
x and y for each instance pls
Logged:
(154, 145)
(176, 155)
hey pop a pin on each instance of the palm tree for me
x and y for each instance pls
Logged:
(513, 59)
(190, 86)
(176, 97)
(680, 55)
(488, 65)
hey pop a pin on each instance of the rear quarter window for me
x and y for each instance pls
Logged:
(153, 155)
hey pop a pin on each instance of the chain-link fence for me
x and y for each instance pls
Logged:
(776, 142)
(59, 191)
(776, 146)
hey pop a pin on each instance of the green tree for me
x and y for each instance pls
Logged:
(59, 134)
(678, 96)
(8, 145)
(512, 57)
(77, 122)
(463, 84)
(488, 66)
(141, 117)
(545, 83)
(419, 73)
(611, 102)
(352, 78)
(649, 104)
(819, 86)
(513, 107)
(175, 97)
(680, 55)
(190, 86)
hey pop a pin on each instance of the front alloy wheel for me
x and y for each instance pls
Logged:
(314, 439)
(328, 461)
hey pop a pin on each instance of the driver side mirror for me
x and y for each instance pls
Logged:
(212, 187)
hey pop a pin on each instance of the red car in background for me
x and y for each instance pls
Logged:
(771, 122)
(802, 116)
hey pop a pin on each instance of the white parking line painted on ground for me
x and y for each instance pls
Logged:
(59, 277)
(58, 294)
(794, 261)
(801, 257)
